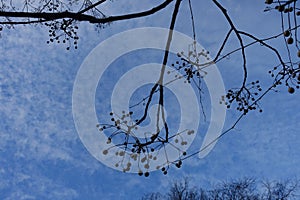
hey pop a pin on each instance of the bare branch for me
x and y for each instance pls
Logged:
(79, 16)
(224, 11)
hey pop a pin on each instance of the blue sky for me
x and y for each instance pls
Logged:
(42, 156)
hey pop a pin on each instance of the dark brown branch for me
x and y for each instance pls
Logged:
(256, 40)
(50, 16)
(83, 17)
(153, 90)
(23, 22)
(224, 11)
(222, 46)
(159, 83)
(266, 45)
(92, 6)
(165, 60)
(218, 57)
(192, 18)
(288, 2)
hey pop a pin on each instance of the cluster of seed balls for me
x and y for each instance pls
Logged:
(245, 97)
(188, 69)
(293, 74)
(293, 80)
(136, 151)
(63, 31)
(286, 9)
(282, 8)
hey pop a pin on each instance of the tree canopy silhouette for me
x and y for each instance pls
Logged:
(245, 188)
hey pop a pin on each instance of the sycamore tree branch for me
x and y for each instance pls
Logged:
(79, 16)
(270, 88)
(279, 78)
(266, 45)
(223, 45)
(92, 6)
(159, 84)
(165, 60)
(263, 41)
(237, 33)
(256, 40)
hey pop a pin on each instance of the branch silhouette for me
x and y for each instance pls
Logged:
(78, 16)
(246, 97)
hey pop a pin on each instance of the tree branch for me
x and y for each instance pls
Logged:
(159, 83)
(237, 33)
(79, 16)
(92, 6)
